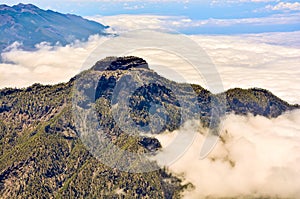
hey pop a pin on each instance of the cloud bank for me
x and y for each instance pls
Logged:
(46, 65)
(255, 157)
(244, 62)
(185, 24)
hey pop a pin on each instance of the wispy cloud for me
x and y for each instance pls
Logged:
(155, 1)
(284, 6)
(270, 20)
(132, 7)
(223, 2)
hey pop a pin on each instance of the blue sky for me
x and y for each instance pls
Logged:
(243, 15)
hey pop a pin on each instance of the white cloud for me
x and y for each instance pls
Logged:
(120, 1)
(215, 2)
(244, 62)
(130, 22)
(289, 39)
(284, 6)
(273, 19)
(258, 1)
(256, 157)
(47, 65)
(134, 7)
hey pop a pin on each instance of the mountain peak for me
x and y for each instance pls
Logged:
(5, 7)
(21, 6)
(120, 63)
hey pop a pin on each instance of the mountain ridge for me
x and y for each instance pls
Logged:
(30, 25)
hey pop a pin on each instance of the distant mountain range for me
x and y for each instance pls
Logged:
(31, 25)
(42, 155)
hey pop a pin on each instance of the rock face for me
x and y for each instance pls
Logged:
(41, 153)
(29, 25)
(120, 63)
(150, 144)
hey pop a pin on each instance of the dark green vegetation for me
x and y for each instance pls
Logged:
(42, 156)
(30, 25)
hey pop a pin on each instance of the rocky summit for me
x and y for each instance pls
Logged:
(42, 155)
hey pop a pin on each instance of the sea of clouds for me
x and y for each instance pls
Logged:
(245, 61)
(256, 156)
(241, 61)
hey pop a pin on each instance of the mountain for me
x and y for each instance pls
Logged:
(30, 25)
(42, 155)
